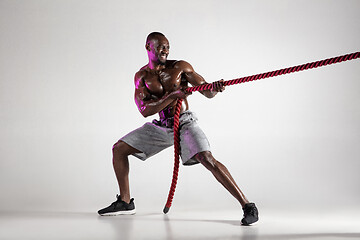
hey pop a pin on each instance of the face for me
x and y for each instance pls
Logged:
(158, 49)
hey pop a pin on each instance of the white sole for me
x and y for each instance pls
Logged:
(129, 212)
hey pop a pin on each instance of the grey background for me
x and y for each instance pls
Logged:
(66, 95)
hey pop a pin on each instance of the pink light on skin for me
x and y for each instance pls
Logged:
(158, 51)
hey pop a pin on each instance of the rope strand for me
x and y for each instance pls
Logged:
(208, 86)
(176, 156)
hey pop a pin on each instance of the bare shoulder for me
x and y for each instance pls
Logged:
(183, 65)
(140, 75)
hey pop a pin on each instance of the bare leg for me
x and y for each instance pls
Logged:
(222, 175)
(121, 151)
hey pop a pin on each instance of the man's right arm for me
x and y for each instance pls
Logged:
(146, 103)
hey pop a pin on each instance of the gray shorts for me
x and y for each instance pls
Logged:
(155, 136)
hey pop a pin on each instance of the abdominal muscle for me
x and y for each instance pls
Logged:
(169, 111)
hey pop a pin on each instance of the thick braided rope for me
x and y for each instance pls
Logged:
(176, 156)
(281, 71)
(209, 86)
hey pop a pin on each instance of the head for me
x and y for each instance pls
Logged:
(157, 47)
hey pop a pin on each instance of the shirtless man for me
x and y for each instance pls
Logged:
(158, 85)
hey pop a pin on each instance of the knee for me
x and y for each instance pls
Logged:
(206, 159)
(119, 148)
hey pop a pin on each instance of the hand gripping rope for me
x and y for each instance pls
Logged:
(209, 86)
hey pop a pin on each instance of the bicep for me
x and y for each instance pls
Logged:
(194, 78)
(141, 93)
(191, 76)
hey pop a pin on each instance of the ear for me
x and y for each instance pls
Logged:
(147, 46)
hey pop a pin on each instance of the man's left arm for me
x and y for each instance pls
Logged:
(196, 79)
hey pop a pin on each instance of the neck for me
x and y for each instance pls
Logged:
(154, 65)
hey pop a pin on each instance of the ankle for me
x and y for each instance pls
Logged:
(243, 203)
(125, 199)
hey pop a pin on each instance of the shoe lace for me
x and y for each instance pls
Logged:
(118, 200)
(251, 211)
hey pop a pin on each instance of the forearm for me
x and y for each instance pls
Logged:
(196, 80)
(152, 107)
(209, 93)
(216, 87)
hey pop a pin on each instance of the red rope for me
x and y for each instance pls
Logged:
(281, 71)
(209, 86)
(176, 155)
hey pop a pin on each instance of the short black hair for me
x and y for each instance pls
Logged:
(153, 35)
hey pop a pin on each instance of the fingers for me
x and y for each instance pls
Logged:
(187, 93)
(218, 86)
(184, 94)
(222, 85)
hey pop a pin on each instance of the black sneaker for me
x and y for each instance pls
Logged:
(250, 214)
(119, 207)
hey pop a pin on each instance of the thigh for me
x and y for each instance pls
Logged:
(193, 140)
(123, 147)
(149, 140)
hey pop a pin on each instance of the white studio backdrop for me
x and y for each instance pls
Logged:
(66, 96)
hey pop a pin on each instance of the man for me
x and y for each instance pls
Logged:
(158, 85)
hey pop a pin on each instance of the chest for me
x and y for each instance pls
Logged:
(167, 80)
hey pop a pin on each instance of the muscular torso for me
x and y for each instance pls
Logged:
(165, 81)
